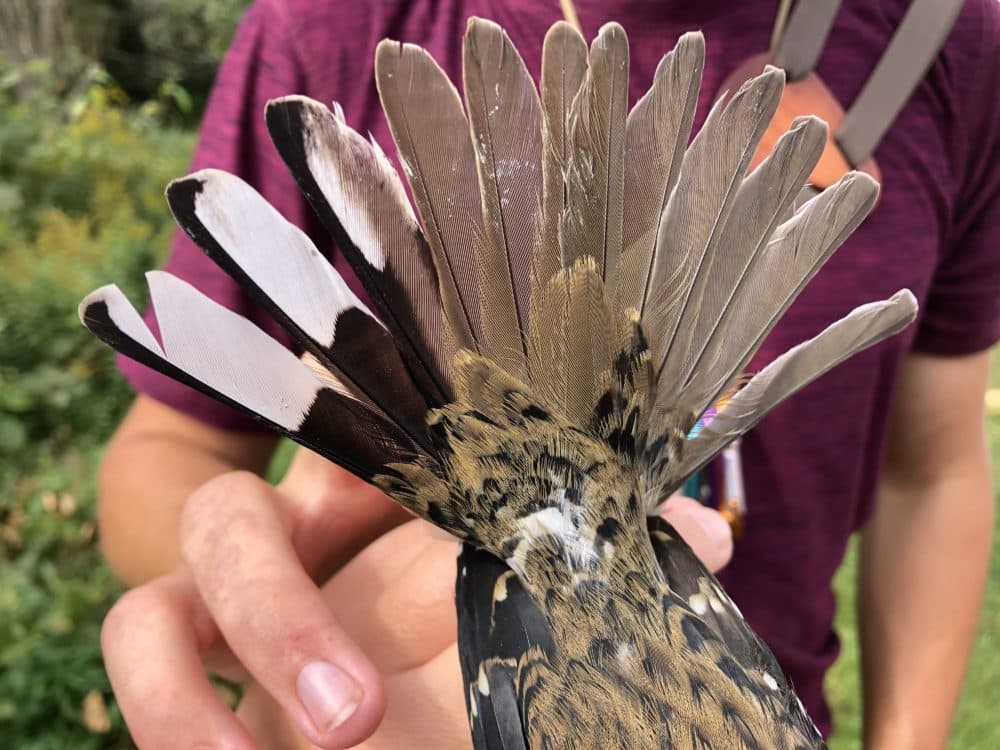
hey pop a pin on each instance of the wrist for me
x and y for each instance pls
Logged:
(901, 732)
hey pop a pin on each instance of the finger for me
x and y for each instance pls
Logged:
(380, 564)
(334, 514)
(151, 653)
(427, 708)
(704, 529)
(426, 711)
(409, 617)
(236, 543)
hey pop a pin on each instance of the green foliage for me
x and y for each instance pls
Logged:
(84, 181)
(165, 51)
(53, 593)
(81, 204)
(168, 50)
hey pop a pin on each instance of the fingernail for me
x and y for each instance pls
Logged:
(329, 694)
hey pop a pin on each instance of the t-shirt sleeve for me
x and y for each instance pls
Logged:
(961, 314)
(259, 66)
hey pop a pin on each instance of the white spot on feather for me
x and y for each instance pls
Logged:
(500, 588)
(624, 653)
(549, 521)
(770, 681)
(699, 603)
(578, 542)
(482, 684)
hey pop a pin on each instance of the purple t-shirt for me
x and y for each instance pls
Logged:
(811, 466)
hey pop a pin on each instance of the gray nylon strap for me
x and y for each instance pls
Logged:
(805, 36)
(911, 51)
(913, 48)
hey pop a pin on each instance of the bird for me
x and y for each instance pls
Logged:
(554, 299)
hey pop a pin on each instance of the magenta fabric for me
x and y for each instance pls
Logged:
(811, 466)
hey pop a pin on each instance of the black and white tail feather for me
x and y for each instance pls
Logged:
(580, 286)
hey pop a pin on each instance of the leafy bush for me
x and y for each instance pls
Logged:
(156, 50)
(83, 184)
(168, 50)
(81, 204)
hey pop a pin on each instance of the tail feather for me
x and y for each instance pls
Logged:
(699, 207)
(217, 352)
(796, 368)
(592, 222)
(564, 67)
(278, 264)
(505, 117)
(794, 254)
(656, 136)
(432, 136)
(590, 234)
(362, 202)
(764, 199)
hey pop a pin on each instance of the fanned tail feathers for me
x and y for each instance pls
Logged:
(213, 350)
(622, 279)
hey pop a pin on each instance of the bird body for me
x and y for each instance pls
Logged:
(575, 289)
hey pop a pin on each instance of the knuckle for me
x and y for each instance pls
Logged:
(131, 611)
(202, 508)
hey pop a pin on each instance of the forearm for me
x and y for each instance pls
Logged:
(150, 469)
(923, 569)
(142, 487)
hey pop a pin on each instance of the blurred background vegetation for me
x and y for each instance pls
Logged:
(99, 104)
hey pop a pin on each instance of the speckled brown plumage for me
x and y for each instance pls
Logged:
(631, 662)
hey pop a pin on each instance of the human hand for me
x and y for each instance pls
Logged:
(703, 528)
(396, 599)
(244, 606)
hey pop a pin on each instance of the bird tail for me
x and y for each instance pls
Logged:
(563, 249)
